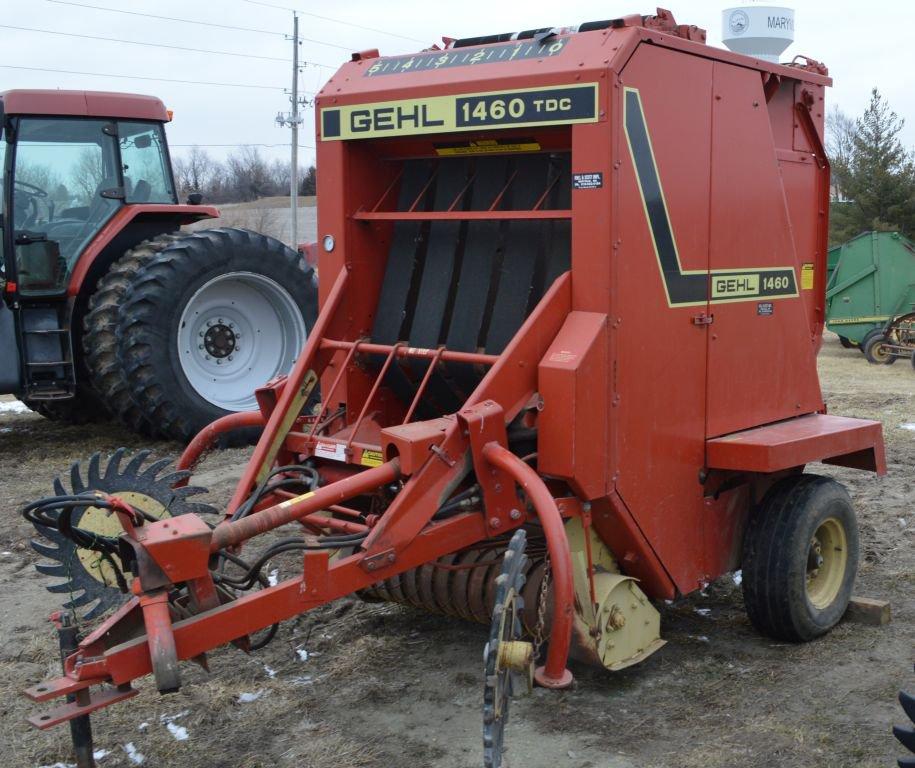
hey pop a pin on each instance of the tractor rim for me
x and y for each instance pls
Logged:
(238, 331)
(827, 560)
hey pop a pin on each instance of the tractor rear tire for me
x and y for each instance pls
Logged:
(84, 408)
(874, 351)
(207, 320)
(100, 326)
(800, 558)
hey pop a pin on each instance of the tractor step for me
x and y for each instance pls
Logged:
(47, 353)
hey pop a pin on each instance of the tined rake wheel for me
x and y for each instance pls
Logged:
(506, 658)
(906, 735)
(89, 578)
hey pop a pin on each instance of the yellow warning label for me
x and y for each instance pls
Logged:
(371, 459)
(297, 499)
(807, 274)
(486, 146)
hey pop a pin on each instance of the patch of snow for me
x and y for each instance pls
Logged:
(738, 577)
(59, 765)
(271, 673)
(6, 430)
(273, 578)
(166, 719)
(302, 654)
(142, 726)
(908, 425)
(101, 754)
(6, 554)
(13, 406)
(704, 611)
(178, 731)
(902, 522)
(301, 680)
(246, 698)
(700, 638)
(135, 756)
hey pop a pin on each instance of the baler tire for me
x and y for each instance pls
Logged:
(871, 345)
(100, 343)
(847, 343)
(782, 535)
(148, 330)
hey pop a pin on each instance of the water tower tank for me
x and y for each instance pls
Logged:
(761, 31)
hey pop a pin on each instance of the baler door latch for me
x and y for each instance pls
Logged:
(703, 319)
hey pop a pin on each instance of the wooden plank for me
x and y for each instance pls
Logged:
(866, 610)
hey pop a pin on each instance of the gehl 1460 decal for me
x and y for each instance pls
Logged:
(554, 105)
(694, 286)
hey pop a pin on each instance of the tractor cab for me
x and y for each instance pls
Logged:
(66, 173)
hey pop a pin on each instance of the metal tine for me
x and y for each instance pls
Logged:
(51, 570)
(76, 602)
(76, 479)
(906, 737)
(133, 466)
(64, 588)
(44, 549)
(173, 478)
(59, 489)
(907, 700)
(114, 463)
(153, 469)
(93, 472)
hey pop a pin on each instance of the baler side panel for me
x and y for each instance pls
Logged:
(660, 358)
(762, 367)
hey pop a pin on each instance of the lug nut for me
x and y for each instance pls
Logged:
(230, 357)
(515, 514)
(218, 362)
(207, 357)
(495, 522)
(200, 346)
(200, 334)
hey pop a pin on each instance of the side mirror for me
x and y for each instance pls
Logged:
(142, 142)
(195, 198)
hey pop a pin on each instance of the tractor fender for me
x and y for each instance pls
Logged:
(129, 225)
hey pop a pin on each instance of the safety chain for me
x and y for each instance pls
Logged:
(541, 608)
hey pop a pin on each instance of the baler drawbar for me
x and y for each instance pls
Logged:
(572, 292)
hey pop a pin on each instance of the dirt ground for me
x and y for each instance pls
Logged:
(355, 685)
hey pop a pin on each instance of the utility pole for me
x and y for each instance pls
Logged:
(293, 119)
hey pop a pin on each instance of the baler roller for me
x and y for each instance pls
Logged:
(463, 584)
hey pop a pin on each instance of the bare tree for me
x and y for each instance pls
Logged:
(840, 143)
(88, 174)
(194, 172)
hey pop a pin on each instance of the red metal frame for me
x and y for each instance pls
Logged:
(734, 386)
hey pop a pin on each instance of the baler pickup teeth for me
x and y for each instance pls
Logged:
(60, 686)
(73, 709)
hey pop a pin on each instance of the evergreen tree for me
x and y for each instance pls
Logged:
(873, 174)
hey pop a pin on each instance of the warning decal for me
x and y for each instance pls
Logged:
(807, 276)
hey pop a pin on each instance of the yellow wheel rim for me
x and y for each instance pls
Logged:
(827, 561)
(103, 523)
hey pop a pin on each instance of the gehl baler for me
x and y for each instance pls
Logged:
(572, 289)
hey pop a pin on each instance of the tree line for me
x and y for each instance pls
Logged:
(244, 175)
(873, 174)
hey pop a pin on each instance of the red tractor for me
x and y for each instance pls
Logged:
(108, 307)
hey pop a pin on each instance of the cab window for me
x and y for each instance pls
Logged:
(144, 162)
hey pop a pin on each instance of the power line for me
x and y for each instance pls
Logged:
(162, 45)
(137, 42)
(335, 21)
(140, 77)
(194, 21)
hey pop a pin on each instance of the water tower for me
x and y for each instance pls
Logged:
(760, 31)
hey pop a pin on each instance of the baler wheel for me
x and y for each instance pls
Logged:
(875, 350)
(506, 657)
(800, 558)
(91, 579)
(906, 735)
(847, 343)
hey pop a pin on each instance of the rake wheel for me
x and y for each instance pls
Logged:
(505, 657)
(89, 579)
(906, 736)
